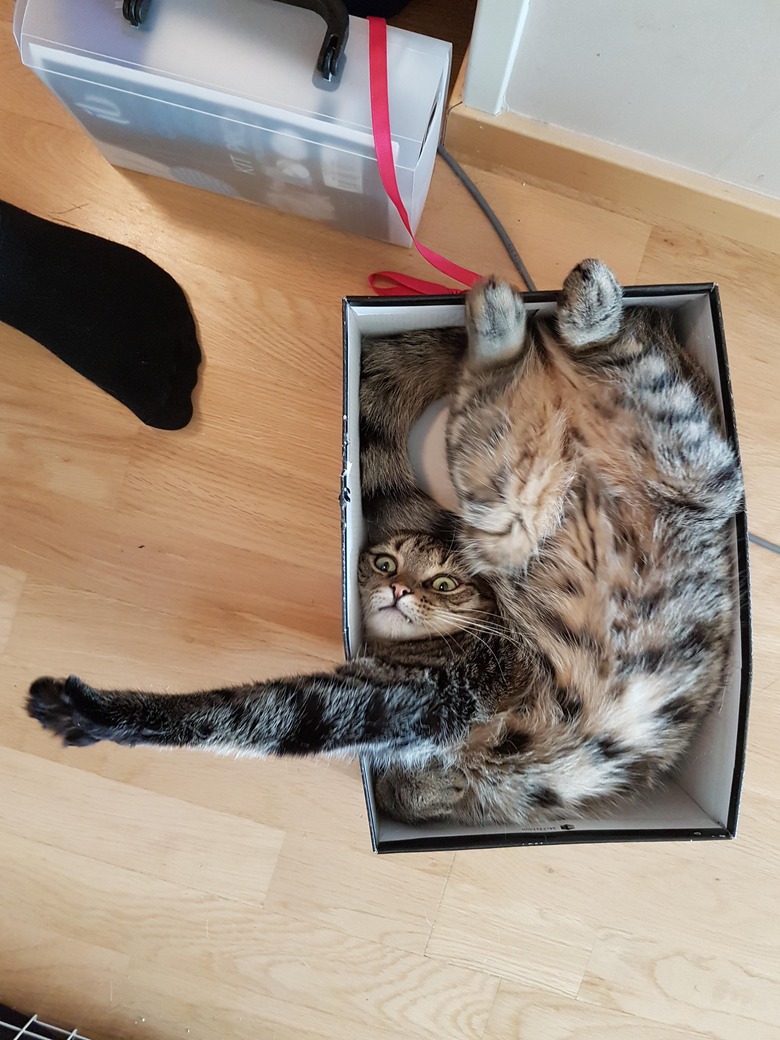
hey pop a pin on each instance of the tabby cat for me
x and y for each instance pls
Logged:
(551, 648)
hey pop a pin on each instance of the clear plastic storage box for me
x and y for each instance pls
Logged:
(224, 96)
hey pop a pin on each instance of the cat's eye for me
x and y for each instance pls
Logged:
(385, 564)
(444, 583)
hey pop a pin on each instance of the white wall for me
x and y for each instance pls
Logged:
(498, 26)
(694, 82)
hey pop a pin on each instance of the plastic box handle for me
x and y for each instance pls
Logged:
(334, 13)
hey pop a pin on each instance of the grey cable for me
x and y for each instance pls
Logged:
(764, 543)
(495, 223)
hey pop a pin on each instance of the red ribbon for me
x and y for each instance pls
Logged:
(402, 284)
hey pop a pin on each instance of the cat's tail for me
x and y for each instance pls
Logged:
(402, 376)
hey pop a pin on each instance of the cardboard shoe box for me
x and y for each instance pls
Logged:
(701, 800)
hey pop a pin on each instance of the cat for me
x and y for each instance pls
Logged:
(550, 649)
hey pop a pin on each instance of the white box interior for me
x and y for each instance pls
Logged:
(700, 799)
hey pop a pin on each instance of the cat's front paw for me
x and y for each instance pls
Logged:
(590, 306)
(60, 705)
(495, 322)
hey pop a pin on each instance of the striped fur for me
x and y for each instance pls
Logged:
(401, 376)
(584, 626)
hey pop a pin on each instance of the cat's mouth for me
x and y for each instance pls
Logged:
(391, 621)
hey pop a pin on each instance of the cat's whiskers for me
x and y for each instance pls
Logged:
(497, 628)
(442, 635)
(499, 623)
(494, 630)
(473, 626)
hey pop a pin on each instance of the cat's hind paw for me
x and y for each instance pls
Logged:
(590, 306)
(495, 321)
(56, 704)
(420, 795)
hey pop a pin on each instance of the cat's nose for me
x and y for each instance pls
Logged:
(399, 589)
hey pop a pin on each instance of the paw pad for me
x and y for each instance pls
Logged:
(53, 703)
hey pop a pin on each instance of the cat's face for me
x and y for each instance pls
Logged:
(413, 587)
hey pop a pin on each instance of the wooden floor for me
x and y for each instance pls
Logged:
(148, 895)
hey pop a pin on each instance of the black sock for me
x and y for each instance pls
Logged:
(107, 311)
